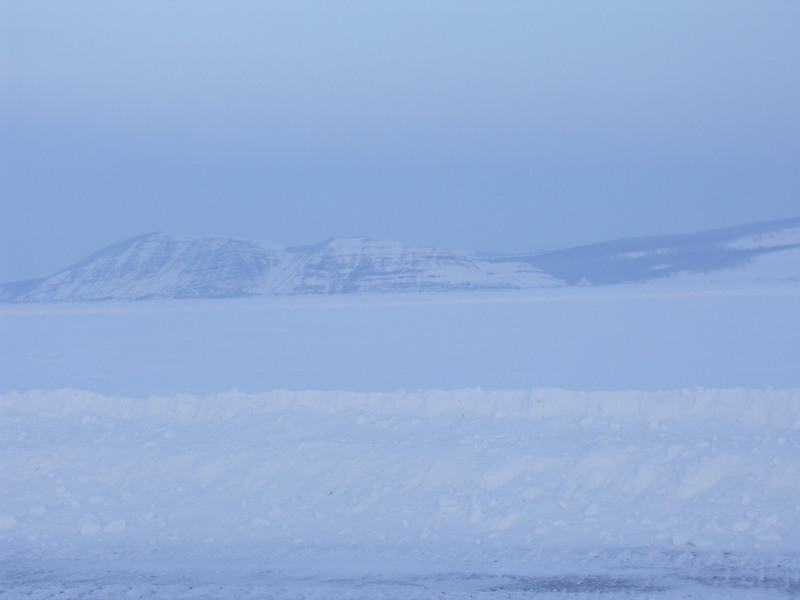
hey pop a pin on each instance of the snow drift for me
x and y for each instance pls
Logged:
(462, 494)
(462, 474)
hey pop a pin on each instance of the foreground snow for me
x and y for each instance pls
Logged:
(564, 576)
(462, 494)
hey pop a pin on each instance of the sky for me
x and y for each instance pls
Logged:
(499, 125)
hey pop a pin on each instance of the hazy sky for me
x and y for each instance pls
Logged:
(492, 125)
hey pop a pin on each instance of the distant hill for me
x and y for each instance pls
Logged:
(760, 251)
(160, 265)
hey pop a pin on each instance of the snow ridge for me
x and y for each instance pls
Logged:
(767, 407)
(759, 251)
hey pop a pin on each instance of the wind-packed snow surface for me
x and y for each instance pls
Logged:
(462, 494)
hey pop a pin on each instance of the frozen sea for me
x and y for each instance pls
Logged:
(605, 338)
(625, 442)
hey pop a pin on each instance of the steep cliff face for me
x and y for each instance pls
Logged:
(361, 265)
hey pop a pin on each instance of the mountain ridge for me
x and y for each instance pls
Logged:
(663, 256)
(162, 265)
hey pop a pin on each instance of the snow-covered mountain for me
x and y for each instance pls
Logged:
(353, 265)
(160, 265)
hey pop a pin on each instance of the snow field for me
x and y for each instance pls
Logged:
(597, 338)
(464, 494)
(464, 470)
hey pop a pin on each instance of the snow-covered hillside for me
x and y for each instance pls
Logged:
(757, 252)
(361, 265)
(167, 266)
(163, 266)
(463, 494)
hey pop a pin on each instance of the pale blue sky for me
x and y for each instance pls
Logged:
(494, 125)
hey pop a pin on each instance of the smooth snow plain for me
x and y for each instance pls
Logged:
(636, 442)
(645, 337)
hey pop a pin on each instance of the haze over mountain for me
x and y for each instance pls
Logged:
(161, 265)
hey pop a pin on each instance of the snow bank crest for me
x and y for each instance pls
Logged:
(771, 407)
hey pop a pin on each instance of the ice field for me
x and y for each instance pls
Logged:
(645, 337)
(634, 442)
